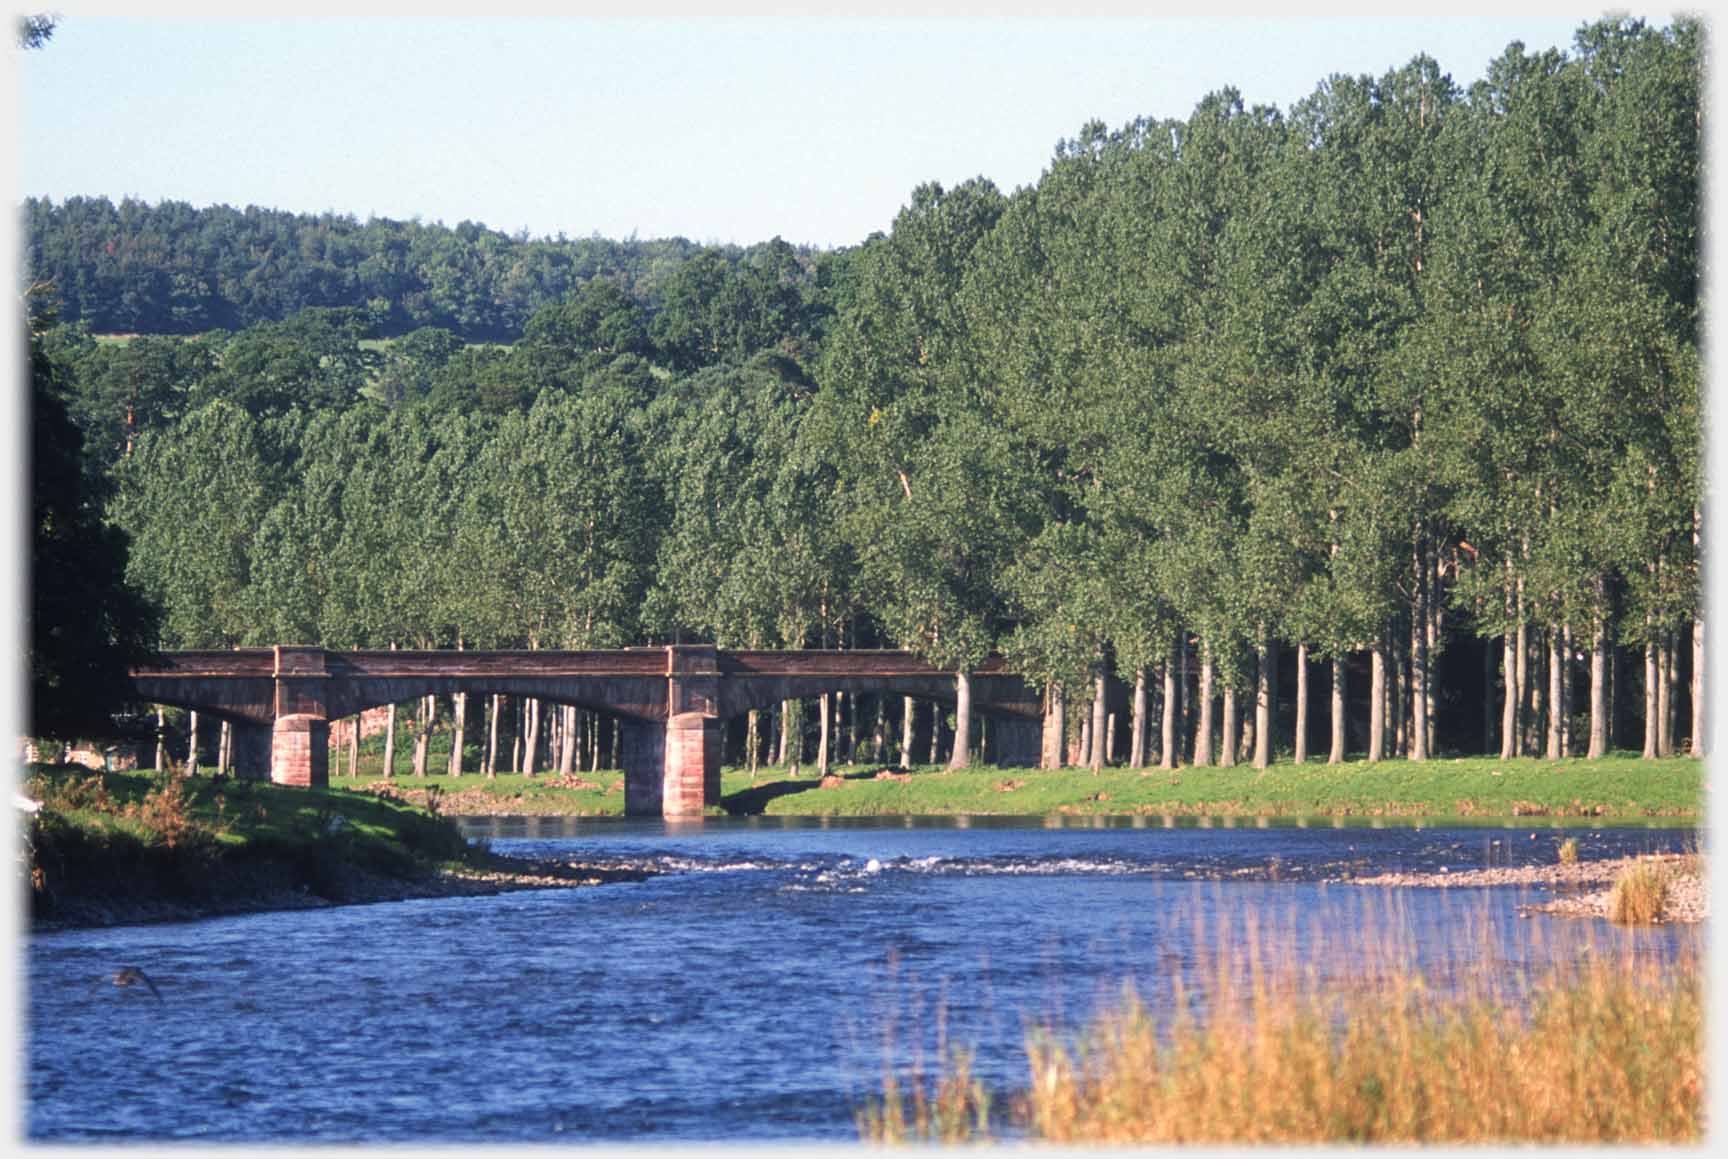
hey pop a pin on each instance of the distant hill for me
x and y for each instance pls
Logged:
(172, 268)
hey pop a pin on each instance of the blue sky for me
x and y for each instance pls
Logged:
(718, 130)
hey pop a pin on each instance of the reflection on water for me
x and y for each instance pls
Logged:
(757, 989)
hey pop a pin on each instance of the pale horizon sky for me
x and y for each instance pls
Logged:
(718, 130)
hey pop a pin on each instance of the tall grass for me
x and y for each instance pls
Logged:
(1640, 894)
(1595, 1045)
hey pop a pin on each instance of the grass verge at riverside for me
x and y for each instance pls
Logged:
(1585, 1044)
(1621, 787)
(129, 839)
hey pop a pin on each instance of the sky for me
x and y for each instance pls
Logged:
(733, 129)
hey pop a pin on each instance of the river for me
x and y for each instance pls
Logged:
(757, 989)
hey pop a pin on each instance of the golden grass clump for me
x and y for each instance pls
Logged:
(1640, 895)
(1596, 1058)
(1569, 851)
(1357, 1045)
(954, 1108)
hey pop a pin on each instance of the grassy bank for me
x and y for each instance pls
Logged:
(125, 845)
(1597, 1048)
(1619, 787)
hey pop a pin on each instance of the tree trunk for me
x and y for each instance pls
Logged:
(1203, 731)
(962, 757)
(161, 742)
(752, 738)
(1335, 755)
(824, 712)
(1100, 755)
(390, 743)
(1398, 709)
(1055, 727)
(1556, 696)
(354, 746)
(1538, 700)
(907, 722)
(1509, 722)
(458, 731)
(1263, 702)
(787, 759)
(1377, 701)
(1664, 697)
(1137, 728)
(422, 735)
(1430, 685)
(1167, 724)
(1227, 743)
(192, 744)
(1650, 701)
(225, 752)
(1418, 730)
(1700, 743)
(1598, 677)
(1083, 758)
(1520, 677)
(561, 751)
(531, 736)
(492, 736)
(1568, 693)
(935, 733)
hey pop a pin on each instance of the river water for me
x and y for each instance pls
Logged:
(758, 989)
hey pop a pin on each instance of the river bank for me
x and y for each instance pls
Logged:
(126, 848)
(1620, 787)
(1587, 886)
(264, 893)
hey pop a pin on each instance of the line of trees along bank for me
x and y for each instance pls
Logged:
(1402, 377)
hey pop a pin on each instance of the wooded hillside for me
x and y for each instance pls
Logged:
(1396, 393)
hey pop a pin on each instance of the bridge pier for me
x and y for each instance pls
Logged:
(671, 767)
(300, 751)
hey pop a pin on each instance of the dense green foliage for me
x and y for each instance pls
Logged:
(1399, 368)
(85, 623)
(175, 269)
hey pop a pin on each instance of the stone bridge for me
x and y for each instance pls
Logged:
(670, 701)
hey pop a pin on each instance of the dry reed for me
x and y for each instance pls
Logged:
(1640, 895)
(1594, 1046)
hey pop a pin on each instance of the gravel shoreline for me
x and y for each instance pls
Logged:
(1688, 899)
(498, 875)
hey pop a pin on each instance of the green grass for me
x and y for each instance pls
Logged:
(130, 836)
(1620, 787)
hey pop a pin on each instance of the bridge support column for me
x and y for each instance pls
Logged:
(672, 767)
(300, 751)
(1015, 742)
